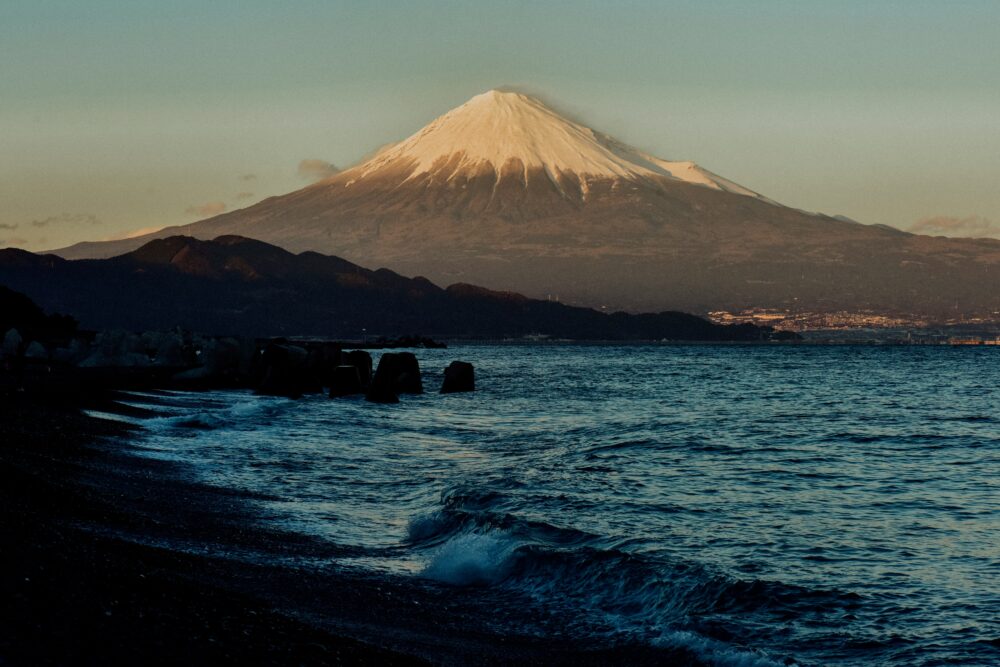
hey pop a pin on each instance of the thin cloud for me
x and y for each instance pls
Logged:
(67, 219)
(137, 232)
(315, 169)
(132, 234)
(244, 195)
(943, 225)
(206, 210)
(9, 228)
(13, 241)
(556, 105)
(248, 177)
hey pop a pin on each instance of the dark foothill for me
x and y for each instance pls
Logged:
(345, 381)
(459, 376)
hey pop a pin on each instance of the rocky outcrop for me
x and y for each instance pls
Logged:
(73, 353)
(363, 362)
(408, 379)
(460, 376)
(12, 343)
(324, 358)
(179, 359)
(116, 349)
(36, 351)
(383, 386)
(168, 349)
(220, 361)
(397, 373)
(345, 382)
(285, 371)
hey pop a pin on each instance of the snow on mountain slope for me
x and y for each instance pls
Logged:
(497, 128)
(504, 192)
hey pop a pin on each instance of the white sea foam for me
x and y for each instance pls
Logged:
(714, 652)
(195, 417)
(472, 558)
(111, 416)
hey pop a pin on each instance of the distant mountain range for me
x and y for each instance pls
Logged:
(503, 191)
(238, 286)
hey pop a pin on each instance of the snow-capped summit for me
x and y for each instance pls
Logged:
(502, 130)
(504, 192)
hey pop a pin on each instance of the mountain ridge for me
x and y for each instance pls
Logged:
(239, 286)
(509, 130)
(503, 207)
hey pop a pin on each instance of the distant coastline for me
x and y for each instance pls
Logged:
(240, 287)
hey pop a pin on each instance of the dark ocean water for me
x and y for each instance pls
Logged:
(832, 505)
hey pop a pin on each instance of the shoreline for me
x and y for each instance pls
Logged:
(78, 590)
(117, 557)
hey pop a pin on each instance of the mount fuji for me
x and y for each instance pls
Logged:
(505, 192)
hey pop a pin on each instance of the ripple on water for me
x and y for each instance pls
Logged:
(835, 505)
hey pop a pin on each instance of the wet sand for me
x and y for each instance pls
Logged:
(111, 557)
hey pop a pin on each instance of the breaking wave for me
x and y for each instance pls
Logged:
(611, 593)
(701, 499)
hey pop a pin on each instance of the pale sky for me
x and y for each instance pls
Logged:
(117, 116)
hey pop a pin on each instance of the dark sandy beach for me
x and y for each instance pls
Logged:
(76, 592)
(112, 557)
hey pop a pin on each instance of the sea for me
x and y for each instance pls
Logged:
(751, 504)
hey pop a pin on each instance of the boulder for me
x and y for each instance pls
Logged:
(124, 360)
(168, 349)
(345, 381)
(73, 354)
(36, 351)
(12, 343)
(408, 378)
(249, 357)
(224, 355)
(397, 373)
(383, 388)
(285, 371)
(116, 349)
(363, 362)
(459, 376)
(324, 358)
(220, 362)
